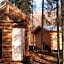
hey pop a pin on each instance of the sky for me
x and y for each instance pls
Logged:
(1, 0)
(38, 5)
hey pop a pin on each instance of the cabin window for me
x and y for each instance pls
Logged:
(0, 43)
(17, 43)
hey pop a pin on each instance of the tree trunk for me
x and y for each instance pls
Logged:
(62, 12)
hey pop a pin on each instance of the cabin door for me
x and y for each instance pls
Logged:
(18, 43)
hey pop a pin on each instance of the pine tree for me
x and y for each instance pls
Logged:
(24, 5)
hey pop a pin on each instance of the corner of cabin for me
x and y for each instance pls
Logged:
(13, 22)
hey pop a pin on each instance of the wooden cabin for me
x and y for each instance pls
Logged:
(14, 26)
(48, 37)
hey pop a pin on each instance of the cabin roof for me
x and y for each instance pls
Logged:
(6, 5)
(51, 28)
(46, 28)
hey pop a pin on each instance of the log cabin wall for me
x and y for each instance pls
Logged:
(49, 39)
(46, 39)
(6, 40)
(10, 19)
(6, 43)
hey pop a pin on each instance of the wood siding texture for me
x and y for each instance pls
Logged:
(6, 41)
(11, 17)
(46, 39)
(6, 28)
(49, 38)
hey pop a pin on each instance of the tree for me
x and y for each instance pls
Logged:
(24, 5)
(50, 5)
(58, 25)
(62, 12)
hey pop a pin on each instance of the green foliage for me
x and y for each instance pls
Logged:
(24, 5)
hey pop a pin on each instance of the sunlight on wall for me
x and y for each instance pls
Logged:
(17, 44)
(54, 41)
